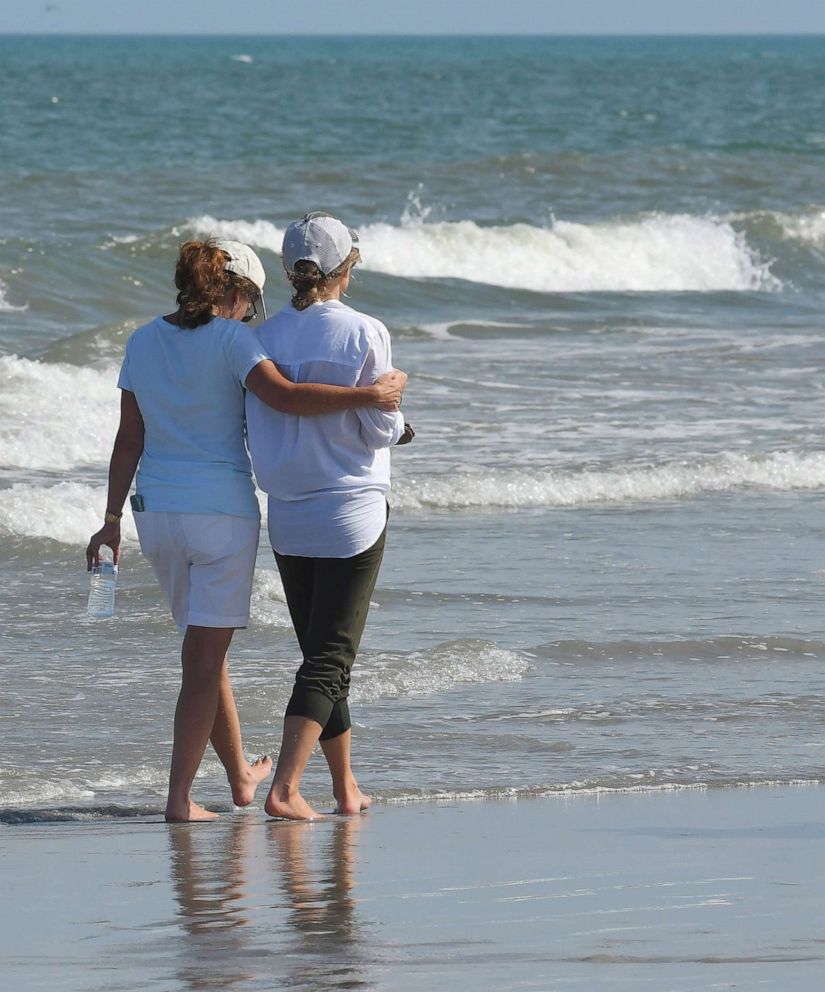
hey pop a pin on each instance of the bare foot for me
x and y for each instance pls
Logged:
(287, 806)
(194, 813)
(243, 792)
(352, 801)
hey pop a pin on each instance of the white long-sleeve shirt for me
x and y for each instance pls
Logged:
(326, 476)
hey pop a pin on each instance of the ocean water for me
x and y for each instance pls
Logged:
(602, 263)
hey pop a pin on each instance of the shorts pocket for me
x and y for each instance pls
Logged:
(210, 537)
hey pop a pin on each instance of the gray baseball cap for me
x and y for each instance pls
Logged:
(318, 237)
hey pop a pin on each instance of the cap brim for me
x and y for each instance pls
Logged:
(260, 311)
(260, 307)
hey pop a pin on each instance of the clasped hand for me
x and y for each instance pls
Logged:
(389, 390)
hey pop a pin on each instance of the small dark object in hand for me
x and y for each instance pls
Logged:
(408, 434)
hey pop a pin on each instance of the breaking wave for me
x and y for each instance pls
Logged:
(655, 253)
(781, 471)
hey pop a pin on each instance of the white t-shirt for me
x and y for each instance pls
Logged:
(189, 387)
(326, 476)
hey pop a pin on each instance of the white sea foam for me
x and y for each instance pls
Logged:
(58, 794)
(145, 777)
(422, 673)
(56, 416)
(33, 791)
(5, 306)
(808, 228)
(268, 604)
(257, 233)
(591, 788)
(781, 471)
(115, 240)
(659, 253)
(443, 331)
(656, 253)
(67, 512)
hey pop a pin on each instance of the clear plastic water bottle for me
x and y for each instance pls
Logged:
(102, 591)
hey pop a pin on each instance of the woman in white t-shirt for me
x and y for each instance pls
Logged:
(327, 479)
(182, 423)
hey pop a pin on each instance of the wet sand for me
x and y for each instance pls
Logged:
(676, 891)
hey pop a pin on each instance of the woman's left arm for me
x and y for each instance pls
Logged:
(128, 448)
(378, 428)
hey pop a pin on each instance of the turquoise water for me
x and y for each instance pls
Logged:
(601, 261)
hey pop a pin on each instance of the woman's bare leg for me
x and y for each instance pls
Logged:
(285, 800)
(349, 798)
(202, 656)
(226, 739)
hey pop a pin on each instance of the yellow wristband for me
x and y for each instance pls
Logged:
(112, 518)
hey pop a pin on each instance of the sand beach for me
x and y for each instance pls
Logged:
(687, 890)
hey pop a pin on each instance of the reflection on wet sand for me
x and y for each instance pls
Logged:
(209, 874)
(267, 901)
(328, 944)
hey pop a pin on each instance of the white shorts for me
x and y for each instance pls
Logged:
(204, 563)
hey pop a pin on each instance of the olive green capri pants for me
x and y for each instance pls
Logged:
(328, 600)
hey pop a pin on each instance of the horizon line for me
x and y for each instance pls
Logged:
(400, 34)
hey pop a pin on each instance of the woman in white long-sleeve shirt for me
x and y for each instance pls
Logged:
(327, 479)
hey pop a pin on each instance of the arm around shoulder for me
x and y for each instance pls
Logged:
(272, 387)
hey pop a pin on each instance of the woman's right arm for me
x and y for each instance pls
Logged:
(126, 454)
(269, 384)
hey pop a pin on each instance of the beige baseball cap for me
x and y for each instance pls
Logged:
(244, 262)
